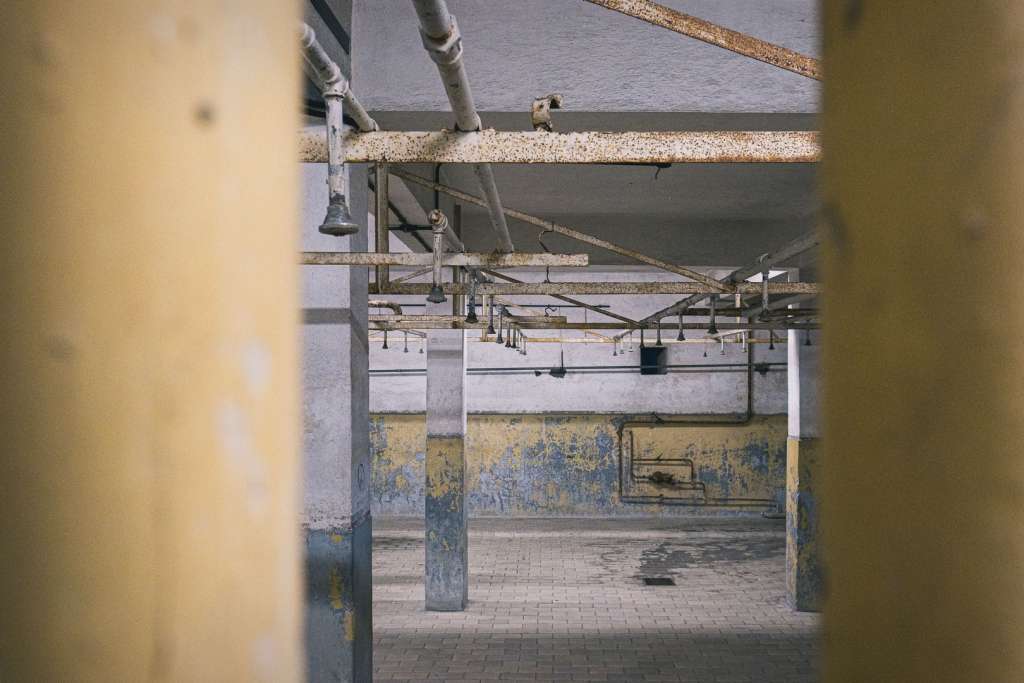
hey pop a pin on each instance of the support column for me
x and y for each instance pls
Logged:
(339, 626)
(924, 165)
(447, 544)
(149, 475)
(804, 576)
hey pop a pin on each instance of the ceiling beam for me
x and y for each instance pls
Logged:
(541, 147)
(478, 260)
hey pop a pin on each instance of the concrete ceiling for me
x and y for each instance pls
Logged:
(697, 214)
(616, 74)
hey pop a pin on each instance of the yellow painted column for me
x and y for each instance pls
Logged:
(149, 402)
(924, 367)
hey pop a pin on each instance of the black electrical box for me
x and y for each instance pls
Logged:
(652, 360)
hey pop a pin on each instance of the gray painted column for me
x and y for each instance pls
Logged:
(804, 575)
(336, 445)
(447, 545)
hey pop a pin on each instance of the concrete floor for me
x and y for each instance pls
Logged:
(563, 600)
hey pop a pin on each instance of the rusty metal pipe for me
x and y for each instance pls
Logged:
(464, 260)
(610, 288)
(591, 147)
(378, 303)
(506, 322)
(766, 261)
(568, 300)
(549, 226)
(774, 305)
(443, 41)
(713, 34)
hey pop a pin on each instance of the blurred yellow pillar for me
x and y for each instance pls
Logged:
(924, 184)
(149, 478)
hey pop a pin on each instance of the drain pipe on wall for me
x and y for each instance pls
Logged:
(337, 95)
(443, 42)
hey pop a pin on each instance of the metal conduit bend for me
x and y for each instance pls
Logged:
(338, 221)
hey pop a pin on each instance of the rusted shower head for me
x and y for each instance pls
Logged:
(338, 221)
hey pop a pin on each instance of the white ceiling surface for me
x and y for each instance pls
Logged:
(598, 59)
(616, 73)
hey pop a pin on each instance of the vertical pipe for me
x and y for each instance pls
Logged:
(149, 477)
(924, 165)
(382, 218)
(443, 41)
(338, 221)
(440, 224)
(457, 273)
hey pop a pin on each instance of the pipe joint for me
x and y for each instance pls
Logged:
(446, 50)
(337, 86)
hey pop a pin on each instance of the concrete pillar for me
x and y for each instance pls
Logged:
(339, 626)
(923, 361)
(803, 474)
(149, 404)
(447, 544)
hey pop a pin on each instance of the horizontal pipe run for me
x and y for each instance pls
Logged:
(735, 327)
(608, 288)
(376, 303)
(603, 310)
(413, 275)
(477, 260)
(775, 305)
(517, 147)
(457, 322)
(713, 34)
(565, 231)
(665, 342)
(591, 369)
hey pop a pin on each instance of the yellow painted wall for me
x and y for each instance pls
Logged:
(562, 464)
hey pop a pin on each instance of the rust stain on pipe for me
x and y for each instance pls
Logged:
(610, 288)
(592, 147)
(713, 34)
(492, 260)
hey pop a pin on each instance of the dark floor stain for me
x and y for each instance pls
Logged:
(396, 543)
(670, 556)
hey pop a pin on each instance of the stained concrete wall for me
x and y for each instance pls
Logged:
(570, 465)
(598, 59)
(538, 445)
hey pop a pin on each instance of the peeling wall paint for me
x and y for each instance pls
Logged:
(569, 465)
(804, 571)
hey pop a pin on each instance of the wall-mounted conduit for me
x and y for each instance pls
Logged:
(675, 478)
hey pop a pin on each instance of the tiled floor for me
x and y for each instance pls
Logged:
(563, 600)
